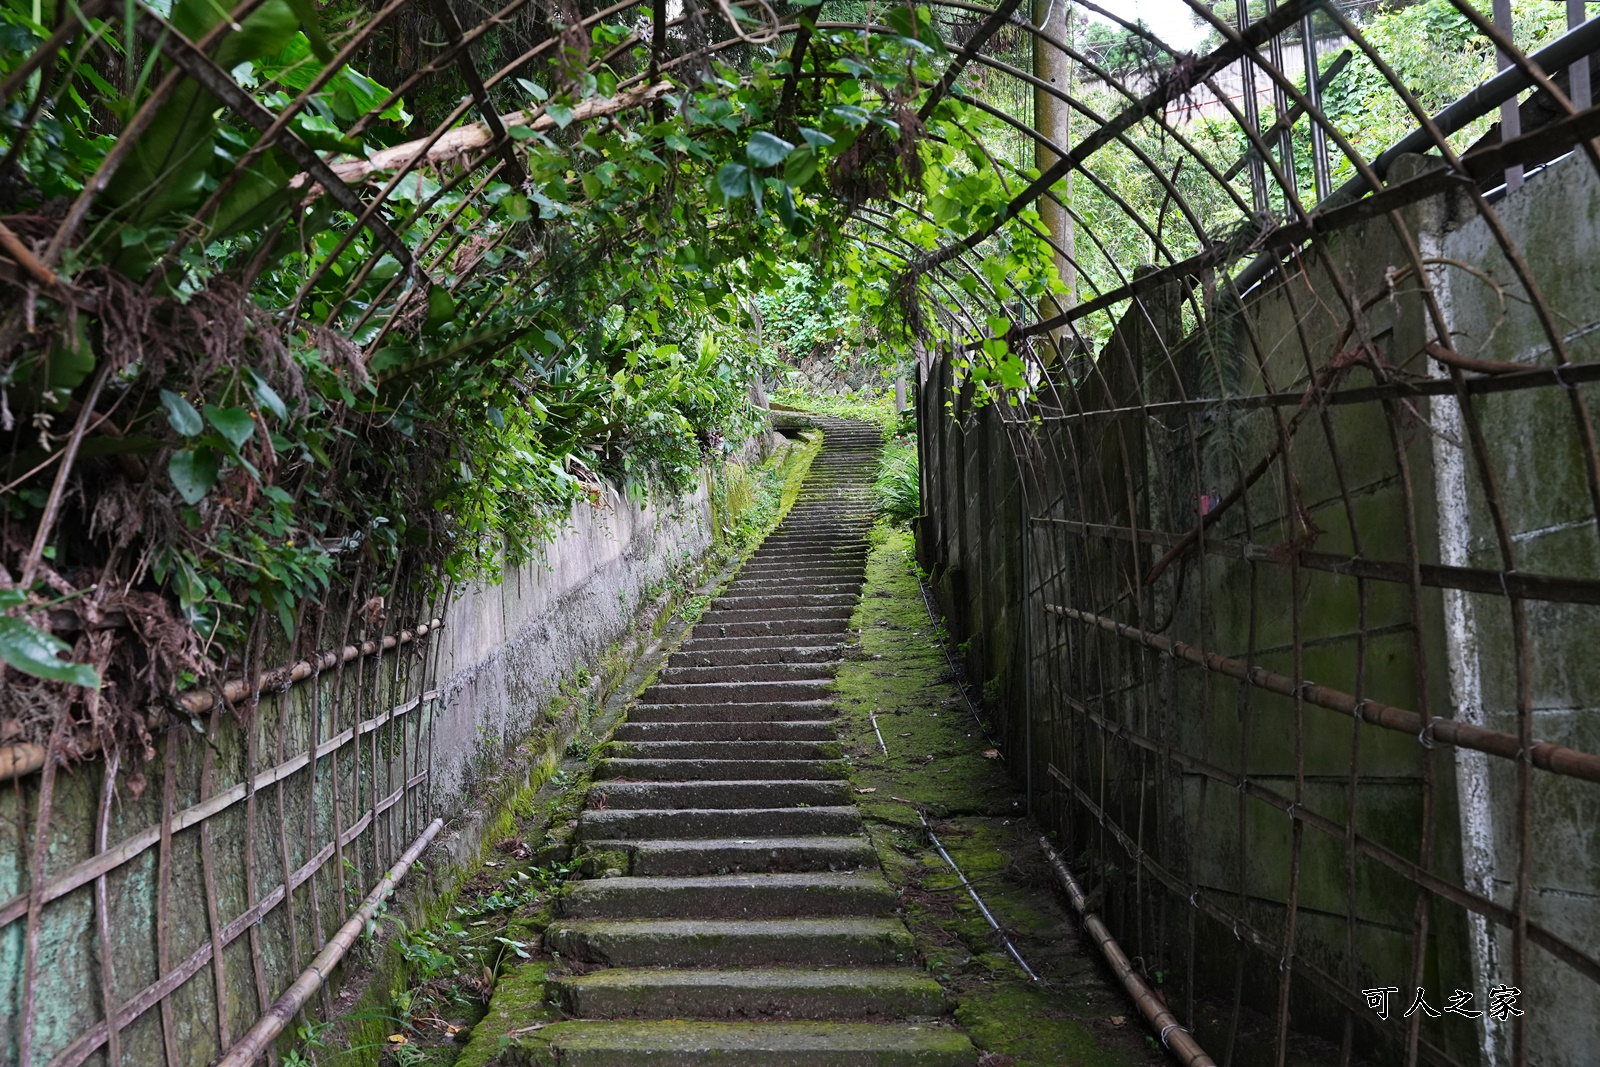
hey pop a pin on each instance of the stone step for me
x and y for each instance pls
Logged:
(746, 673)
(746, 855)
(774, 601)
(789, 627)
(618, 1043)
(773, 711)
(786, 586)
(715, 643)
(717, 616)
(729, 896)
(667, 751)
(812, 571)
(782, 657)
(732, 942)
(710, 824)
(705, 730)
(809, 689)
(771, 992)
(748, 793)
(721, 770)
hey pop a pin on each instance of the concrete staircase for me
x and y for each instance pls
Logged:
(751, 923)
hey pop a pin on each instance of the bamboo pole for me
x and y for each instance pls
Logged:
(254, 1043)
(1173, 1035)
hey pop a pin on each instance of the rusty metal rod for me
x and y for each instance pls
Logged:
(1174, 1035)
(1555, 758)
(254, 1043)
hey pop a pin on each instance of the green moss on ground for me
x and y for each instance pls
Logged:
(940, 760)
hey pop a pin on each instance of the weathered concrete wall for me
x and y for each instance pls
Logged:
(502, 653)
(1108, 495)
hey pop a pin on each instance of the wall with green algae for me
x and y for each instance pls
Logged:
(510, 704)
(1449, 654)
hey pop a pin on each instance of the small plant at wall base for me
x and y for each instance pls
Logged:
(897, 485)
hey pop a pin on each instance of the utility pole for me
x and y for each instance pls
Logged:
(1052, 119)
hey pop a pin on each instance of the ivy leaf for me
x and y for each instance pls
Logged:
(766, 149)
(734, 180)
(193, 473)
(233, 423)
(181, 414)
(32, 651)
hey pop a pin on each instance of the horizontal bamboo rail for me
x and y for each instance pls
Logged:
(254, 1043)
(1173, 1035)
(22, 759)
(1558, 759)
(100, 863)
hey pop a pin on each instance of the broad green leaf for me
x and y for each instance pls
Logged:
(181, 414)
(233, 423)
(767, 150)
(32, 651)
(734, 180)
(193, 473)
(800, 167)
(560, 114)
(268, 397)
(441, 309)
(815, 138)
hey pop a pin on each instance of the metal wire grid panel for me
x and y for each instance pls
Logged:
(1306, 553)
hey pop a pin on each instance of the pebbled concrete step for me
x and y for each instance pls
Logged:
(772, 629)
(730, 896)
(721, 770)
(848, 585)
(772, 992)
(768, 601)
(707, 824)
(732, 942)
(617, 796)
(817, 669)
(774, 711)
(818, 611)
(747, 855)
(616, 1043)
(724, 750)
(753, 657)
(704, 730)
(809, 689)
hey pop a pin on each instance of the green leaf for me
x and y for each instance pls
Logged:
(560, 114)
(767, 150)
(734, 180)
(441, 309)
(32, 651)
(519, 207)
(193, 473)
(10, 598)
(268, 397)
(801, 166)
(815, 138)
(233, 423)
(181, 414)
(522, 133)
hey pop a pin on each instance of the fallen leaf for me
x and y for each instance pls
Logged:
(530, 1028)
(868, 789)
(991, 753)
(1118, 1020)
(397, 1039)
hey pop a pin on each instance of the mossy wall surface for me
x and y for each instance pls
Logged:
(1079, 493)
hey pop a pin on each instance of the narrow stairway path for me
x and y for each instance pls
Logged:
(744, 918)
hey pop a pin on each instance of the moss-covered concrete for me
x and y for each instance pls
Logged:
(940, 759)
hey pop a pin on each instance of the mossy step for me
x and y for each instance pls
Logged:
(847, 585)
(730, 896)
(686, 824)
(615, 1043)
(731, 692)
(721, 770)
(745, 711)
(617, 796)
(834, 942)
(769, 992)
(719, 750)
(716, 643)
(772, 629)
(707, 730)
(764, 855)
(766, 601)
(817, 670)
(780, 656)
